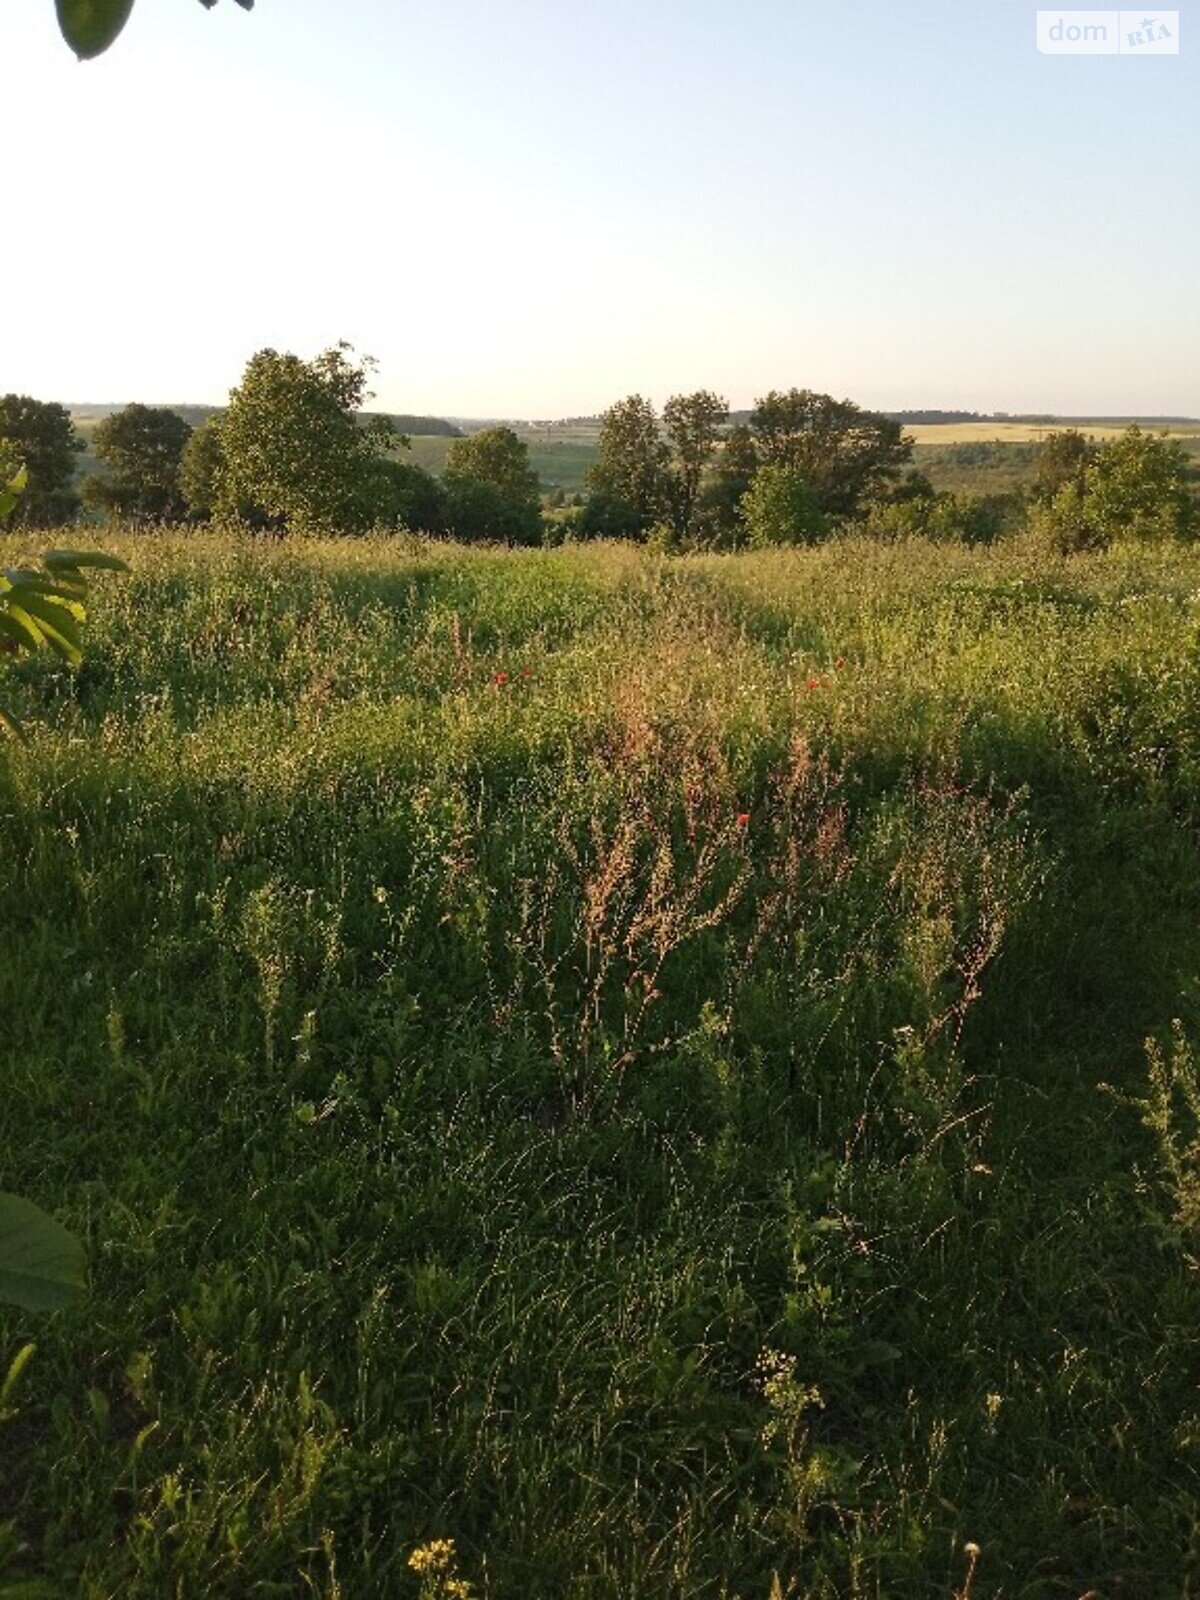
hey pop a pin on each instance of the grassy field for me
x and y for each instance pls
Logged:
(636, 1067)
(559, 463)
(942, 433)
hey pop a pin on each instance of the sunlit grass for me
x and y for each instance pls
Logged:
(635, 1066)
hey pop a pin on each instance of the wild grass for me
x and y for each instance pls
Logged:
(636, 1067)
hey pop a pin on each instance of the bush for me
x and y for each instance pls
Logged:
(780, 507)
(1133, 487)
(944, 518)
(410, 497)
(607, 514)
(478, 511)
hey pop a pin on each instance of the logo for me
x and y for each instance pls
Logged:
(1108, 33)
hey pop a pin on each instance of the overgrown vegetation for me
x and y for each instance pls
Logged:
(591, 1074)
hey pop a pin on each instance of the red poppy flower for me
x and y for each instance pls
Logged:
(501, 677)
(814, 683)
(840, 663)
(526, 672)
(743, 819)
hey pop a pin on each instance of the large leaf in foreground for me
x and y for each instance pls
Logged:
(90, 26)
(41, 1264)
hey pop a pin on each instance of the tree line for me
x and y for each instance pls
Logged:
(293, 452)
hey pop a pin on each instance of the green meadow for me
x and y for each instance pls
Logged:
(560, 463)
(671, 1074)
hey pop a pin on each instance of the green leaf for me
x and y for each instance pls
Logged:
(12, 491)
(47, 632)
(22, 577)
(90, 26)
(62, 561)
(11, 627)
(41, 1264)
(11, 724)
(52, 607)
(55, 624)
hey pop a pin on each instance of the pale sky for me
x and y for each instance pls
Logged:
(530, 209)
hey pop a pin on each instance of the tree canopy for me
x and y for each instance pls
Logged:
(40, 436)
(492, 492)
(142, 448)
(629, 482)
(844, 453)
(1136, 486)
(293, 454)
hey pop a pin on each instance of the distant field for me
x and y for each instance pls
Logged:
(636, 1066)
(1022, 432)
(559, 463)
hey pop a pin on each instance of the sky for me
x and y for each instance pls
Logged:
(524, 209)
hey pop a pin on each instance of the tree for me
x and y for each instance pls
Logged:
(294, 453)
(200, 469)
(414, 498)
(1062, 459)
(90, 26)
(496, 456)
(693, 424)
(844, 454)
(632, 476)
(1138, 487)
(1134, 487)
(716, 522)
(780, 507)
(142, 446)
(40, 436)
(495, 460)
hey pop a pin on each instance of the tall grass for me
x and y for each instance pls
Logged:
(634, 1066)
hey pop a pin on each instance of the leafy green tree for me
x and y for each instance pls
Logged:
(412, 498)
(631, 479)
(142, 447)
(200, 469)
(494, 459)
(846, 455)
(1137, 486)
(941, 518)
(40, 436)
(496, 456)
(90, 26)
(477, 511)
(295, 455)
(780, 507)
(1063, 458)
(716, 522)
(693, 424)
(606, 514)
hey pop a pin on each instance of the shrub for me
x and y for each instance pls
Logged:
(410, 497)
(1133, 487)
(478, 511)
(780, 507)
